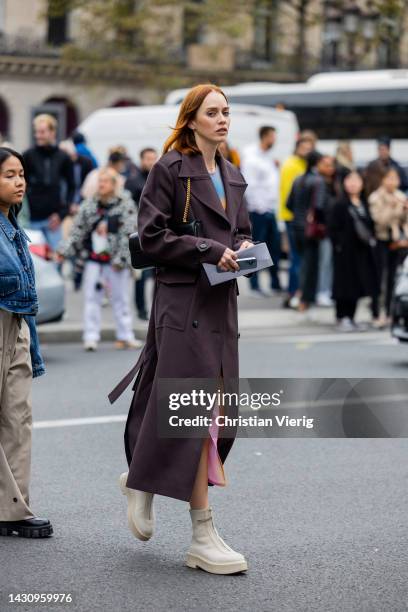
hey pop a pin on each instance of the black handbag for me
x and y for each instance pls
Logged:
(140, 260)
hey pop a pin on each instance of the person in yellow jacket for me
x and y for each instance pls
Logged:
(292, 167)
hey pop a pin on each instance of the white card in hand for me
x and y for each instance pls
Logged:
(260, 251)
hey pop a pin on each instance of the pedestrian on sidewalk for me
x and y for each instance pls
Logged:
(82, 148)
(325, 277)
(20, 358)
(262, 195)
(352, 232)
(50, 181)
(292, 167)
(310, 198)
(100, 237)
(82, 167)
(374, 172)
(389, 211)
(135, 184)
(193, 327)
(117, 162)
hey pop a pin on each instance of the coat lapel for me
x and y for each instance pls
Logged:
(202, 187)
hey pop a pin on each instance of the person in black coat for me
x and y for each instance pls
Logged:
(351, 230)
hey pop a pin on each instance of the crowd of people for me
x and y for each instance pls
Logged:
(346, 227)
(343, 229)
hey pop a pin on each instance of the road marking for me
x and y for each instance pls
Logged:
(114, 418)
(302, 346)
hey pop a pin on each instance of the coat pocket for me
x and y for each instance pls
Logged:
(9, 283)
(173, 304)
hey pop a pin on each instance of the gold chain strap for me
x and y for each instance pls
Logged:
(187, 206)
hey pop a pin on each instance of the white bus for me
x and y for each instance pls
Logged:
(357, 106)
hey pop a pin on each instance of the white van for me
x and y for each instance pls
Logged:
(137, 127)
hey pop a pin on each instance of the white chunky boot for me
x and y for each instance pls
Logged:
(140, 512)
(208, 550)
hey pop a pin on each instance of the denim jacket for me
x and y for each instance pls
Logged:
(17, 282)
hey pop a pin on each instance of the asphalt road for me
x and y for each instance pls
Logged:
(322, 522)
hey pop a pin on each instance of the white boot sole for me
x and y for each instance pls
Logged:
(195, 562)
(132, 526)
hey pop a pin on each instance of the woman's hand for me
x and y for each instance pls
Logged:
(245, 245)
(227, 262)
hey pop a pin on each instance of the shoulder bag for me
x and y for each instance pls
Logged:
(314, 228)
(142, 261)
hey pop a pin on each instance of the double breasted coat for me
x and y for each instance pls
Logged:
(193, 327)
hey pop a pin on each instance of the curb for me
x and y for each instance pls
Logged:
(74, 334)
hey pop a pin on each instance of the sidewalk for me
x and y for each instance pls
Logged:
(255, 316)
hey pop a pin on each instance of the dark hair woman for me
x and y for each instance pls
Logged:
(193, 325)
(351, 231)
(20, 357)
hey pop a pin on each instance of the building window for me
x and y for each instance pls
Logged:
(2, 12)
(387, 53)
(4, 121)
(192, 27)
(57, 34)
(264, 30)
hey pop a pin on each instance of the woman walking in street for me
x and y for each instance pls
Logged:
(20, 358)
(193, 331)
(351, 231)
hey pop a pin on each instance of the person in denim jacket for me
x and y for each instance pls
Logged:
(20, 357)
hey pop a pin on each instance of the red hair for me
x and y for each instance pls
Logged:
(182, 137)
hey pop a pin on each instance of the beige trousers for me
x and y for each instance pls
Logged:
(15, 418)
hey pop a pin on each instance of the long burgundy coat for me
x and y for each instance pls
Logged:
(193, 327)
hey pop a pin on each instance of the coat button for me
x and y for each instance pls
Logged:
(195, 323)
(238, 335)
(15, 500)
(203, 246)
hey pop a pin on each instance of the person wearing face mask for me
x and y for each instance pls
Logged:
(20, 357)
(389, 211)
(193, 326)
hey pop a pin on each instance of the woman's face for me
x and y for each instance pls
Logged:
(12, 183)
(212, 119)
(391, 180)
(106, 185)
(353, 184)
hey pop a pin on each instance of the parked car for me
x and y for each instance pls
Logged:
(399, 306)
(49, 283)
